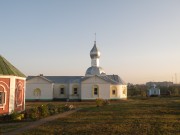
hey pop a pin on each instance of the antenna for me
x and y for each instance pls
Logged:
(95, 39)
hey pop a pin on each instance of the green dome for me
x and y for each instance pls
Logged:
(6, 68)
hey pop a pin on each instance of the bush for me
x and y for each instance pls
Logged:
(101, 102)
(52, 109)
(37, 112)
(16, 116)
(43, 111)
(32, 113)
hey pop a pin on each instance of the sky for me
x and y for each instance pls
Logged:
(138, 39)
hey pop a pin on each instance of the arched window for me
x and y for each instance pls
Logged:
(2, 98)
(114, 91)
(37, 92)
(2, 95)
(19, 93)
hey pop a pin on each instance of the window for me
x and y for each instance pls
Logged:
(95, 91)
(61, 91)
(75, 91)
(2, 99)
(37, 92)
(114, 92)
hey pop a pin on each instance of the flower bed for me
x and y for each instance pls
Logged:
(36, 112)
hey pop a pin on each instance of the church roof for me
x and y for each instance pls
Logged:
(113, 79)
(116, 78)
(95, 71)
(95, 53)
(6, 68)
(60, 79)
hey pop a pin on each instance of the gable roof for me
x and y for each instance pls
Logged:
(113, 79)
(39, 76)
(117, 79)
(60, 79)
(6, 68)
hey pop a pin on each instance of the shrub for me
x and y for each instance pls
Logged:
(106, 102)
(43, 111)
(16, 116)
(52, 109)
(32, 113)
(101, 102)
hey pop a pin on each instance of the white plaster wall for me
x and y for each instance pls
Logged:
(87, 88)
(87, 91)
(57, 94)
(154, 91)
(46, 91)
(45, 86)
(122, 88)
(71, 96)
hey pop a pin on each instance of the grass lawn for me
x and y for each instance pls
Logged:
(152, 116)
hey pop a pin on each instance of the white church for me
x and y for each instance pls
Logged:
(95, 84)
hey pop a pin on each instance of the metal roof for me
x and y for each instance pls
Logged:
(6, 68)
(113, 79)
(60, 79)
(95, 53)
(116, 78)
(95, 71)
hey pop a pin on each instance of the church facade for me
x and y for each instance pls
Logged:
(95, 84)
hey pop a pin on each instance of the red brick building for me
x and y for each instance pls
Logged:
(12, 88)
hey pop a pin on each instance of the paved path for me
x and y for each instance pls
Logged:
(39, 122)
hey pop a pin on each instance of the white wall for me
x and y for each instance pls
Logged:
(154, 91)
(45, 86)
(57, 94)
(71, 95)
(87, 88)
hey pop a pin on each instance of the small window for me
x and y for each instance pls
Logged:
(62, 91)
(2, 95)
(114, 92)
(75, 91)
(95, 91)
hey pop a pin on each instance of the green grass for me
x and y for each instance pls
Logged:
(153, 116)
(4, 128)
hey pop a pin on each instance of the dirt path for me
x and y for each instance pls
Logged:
(34, 124)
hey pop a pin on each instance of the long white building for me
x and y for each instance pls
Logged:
(95, 84)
